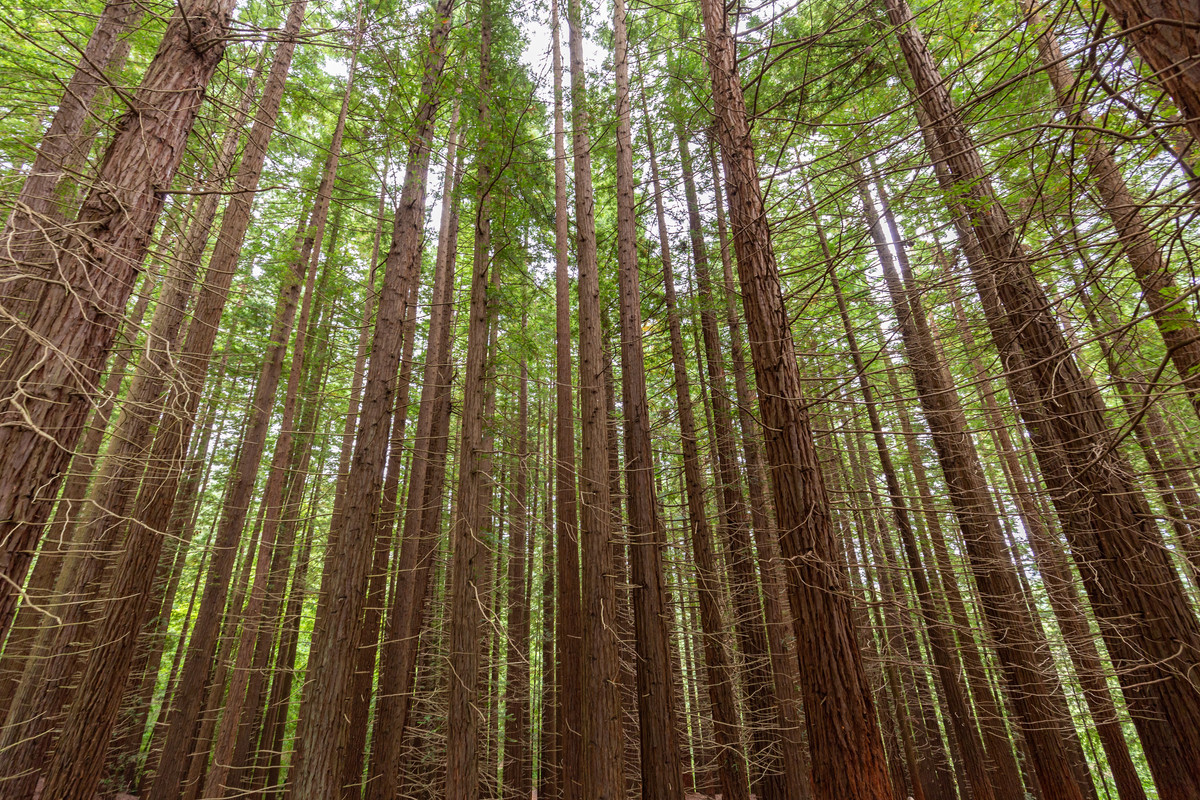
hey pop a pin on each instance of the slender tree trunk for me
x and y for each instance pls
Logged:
(235, 713)
(1171, 313)
(984, 783)
(1060, 589)
(661, 771)
(720, 676)
(568, 630)
(189, 694)
(265, 780)
(735, 528)
(472, 520)
(602, 760)
(425, 478)
(518, 775)
(321, 735)
(549, 784)
(1022, 652)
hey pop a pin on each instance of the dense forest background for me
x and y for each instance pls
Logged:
(496, 400)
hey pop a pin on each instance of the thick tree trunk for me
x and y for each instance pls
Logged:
(1060, 587)
(46, 390)
(768, 780)
(1166, 37)
(1149, 626)
(58, 546)
(846, 747)
(780, 634)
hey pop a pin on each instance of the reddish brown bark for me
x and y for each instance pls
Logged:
(568, 630)
(472, 526)
(847, 750)
(38, 216)
(1149, 626)
(603, 774)
(321, 742)
(46, 390)
(719, 672)
(780, 636)
(425, 481)
(1165, 35)
(661, 771)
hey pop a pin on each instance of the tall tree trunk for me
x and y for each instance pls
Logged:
(1172, 313)
(1166, 37)
(846, 747)
(735, 527)
(661, 770)
(270, 749)
(568, 629)
(425, 478)
(47, 389)
(113, 494)
(603, 767)
(548, 784)
(780, 634)
(321, 735)
(1149, 626)
(472, 524)
(518, 775)
(720, 676)
(1022, 652)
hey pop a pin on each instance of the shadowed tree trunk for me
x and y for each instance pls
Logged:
(317, 768)
(661, 770)
(425, 482)
(1022, 651)
(568, 629)
(472, 529)
(1166, 37)
(602, 759)
(719, 672)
